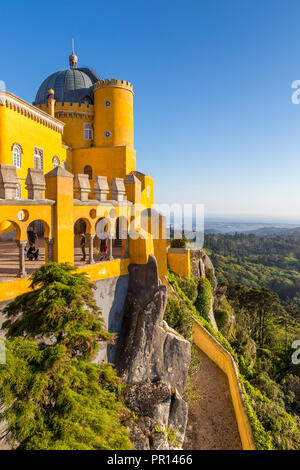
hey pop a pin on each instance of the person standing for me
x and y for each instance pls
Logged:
(82, 244)
(31, 235)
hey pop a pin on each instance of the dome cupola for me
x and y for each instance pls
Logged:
(74, 85)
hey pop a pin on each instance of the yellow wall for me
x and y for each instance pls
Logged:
(224, 360)
(28, 133)
(113, 162)
(74, 116)
(105, 270)
(179, 260)
(116, 118)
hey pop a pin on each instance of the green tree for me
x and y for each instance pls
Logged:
(52, 396)
(204, 297)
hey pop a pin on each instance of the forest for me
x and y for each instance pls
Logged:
(271, 261)
(257, 308)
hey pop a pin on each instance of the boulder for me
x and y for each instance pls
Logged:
(153, 360)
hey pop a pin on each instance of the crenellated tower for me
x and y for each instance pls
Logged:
(113, 113)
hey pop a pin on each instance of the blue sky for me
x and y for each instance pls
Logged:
(214, 121)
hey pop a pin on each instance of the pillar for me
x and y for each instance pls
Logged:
(90, 237)
(22, 245)
(49, 249)
(59, 187)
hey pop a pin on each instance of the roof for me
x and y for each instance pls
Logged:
(71, 85)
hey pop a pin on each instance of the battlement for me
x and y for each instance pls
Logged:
(69, 105)
(113, 83)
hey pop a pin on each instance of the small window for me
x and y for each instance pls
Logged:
(107, 103)
(38, 159)
(88, 131)
(17, 155)
(64, 165)
(88, 170)
(18, 191)
(107, 134)
(87, 100)
(56, 162)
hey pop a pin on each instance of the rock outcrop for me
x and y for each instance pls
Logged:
(153, 360)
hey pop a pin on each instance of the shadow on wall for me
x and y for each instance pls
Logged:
(110, 296)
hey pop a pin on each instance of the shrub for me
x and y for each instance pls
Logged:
(177, 317)
(179, 242)
(204, 297)
(189, 287)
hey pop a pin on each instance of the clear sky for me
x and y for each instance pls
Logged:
(214, 120)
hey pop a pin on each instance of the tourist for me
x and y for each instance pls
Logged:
(82, 244)
(31, 235)
(32, 253)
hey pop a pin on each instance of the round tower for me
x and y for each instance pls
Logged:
(113, 113)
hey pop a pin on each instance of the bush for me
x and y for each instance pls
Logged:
(179, 242)
(177, 317)
(204, 297)
(223, 319)
(189, 287)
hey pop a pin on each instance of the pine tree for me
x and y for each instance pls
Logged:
(52, 396)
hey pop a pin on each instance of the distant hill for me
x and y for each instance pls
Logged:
(261, 232)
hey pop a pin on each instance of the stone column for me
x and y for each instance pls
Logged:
(126, 254)
(90, 237)
(22, 271)
(49, 242)
(110, 247)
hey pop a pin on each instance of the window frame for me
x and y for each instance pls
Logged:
(90, 173)
(17, 147)
(38, 152)
(88, 131)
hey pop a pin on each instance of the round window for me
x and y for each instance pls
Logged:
(107, 103)
(107, 134)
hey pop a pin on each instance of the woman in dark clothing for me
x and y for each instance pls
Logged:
(32, 253)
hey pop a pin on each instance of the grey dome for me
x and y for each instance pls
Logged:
(71, 85)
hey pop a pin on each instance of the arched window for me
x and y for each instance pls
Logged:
(18, 191)
(38, 159)
(88, 170)
(64, 165)
(17, 155)
(56, 162)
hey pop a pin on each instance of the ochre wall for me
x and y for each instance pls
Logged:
(179, 261)
(28, 133)
(113, 162)
(224, 360)
(105, 270)
(117, 118)
(74, 115)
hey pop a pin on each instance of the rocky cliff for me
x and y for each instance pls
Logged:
(153, 360)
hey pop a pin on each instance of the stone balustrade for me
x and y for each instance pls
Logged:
(35, 185)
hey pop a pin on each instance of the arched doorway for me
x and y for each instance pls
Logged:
(81, 233)
(121, 238)
(9, 251)
(103, 242)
